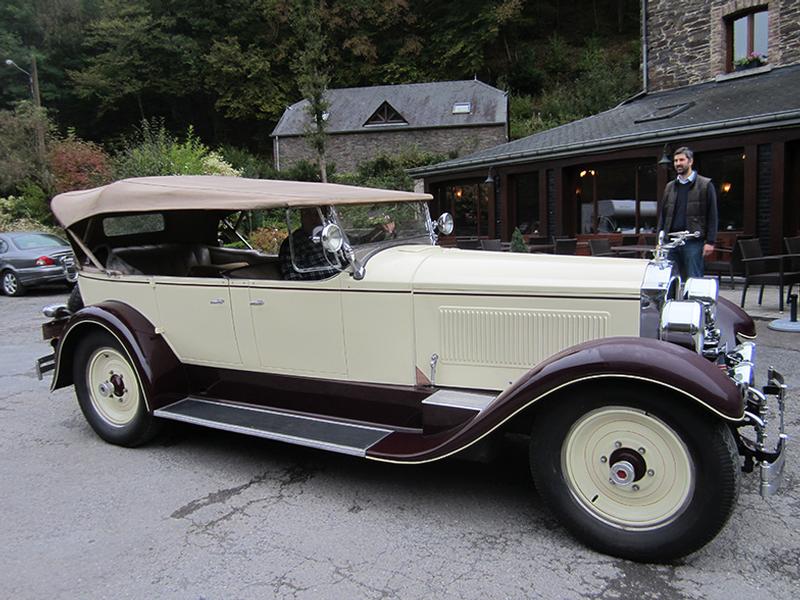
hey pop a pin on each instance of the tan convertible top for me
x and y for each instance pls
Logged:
(206, 192)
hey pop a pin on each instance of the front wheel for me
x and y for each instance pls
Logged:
(109, 392)
(637, 475)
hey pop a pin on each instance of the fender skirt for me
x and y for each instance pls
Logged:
(646, 361)
(160, 373)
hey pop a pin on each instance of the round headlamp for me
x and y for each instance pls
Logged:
(683, 323)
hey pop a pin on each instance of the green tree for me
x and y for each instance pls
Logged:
(311, 67)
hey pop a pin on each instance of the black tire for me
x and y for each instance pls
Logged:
(11, 284)
(75, 300)
(643, 515)
(118, 413)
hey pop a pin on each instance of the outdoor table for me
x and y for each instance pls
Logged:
(540, 247)
(641, 249)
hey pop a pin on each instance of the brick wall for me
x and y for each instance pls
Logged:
(346, 151)
(687, 41)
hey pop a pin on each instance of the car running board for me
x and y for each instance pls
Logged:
(315, 432)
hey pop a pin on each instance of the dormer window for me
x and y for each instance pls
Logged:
(462, 108)
(748, 35)
(385, 115)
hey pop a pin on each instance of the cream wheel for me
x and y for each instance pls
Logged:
(113, 387)
(627, 468)
(109, 392)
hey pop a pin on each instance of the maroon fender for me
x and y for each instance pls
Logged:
(648, 361)
(732, 320)
(161, 374)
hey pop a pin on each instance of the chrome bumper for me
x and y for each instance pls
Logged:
(44, 365)
(758, 414)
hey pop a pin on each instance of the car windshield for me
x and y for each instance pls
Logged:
(367, 225)
(37, 240)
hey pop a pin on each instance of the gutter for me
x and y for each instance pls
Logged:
(785, 119)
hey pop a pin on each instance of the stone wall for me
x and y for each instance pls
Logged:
(687, 41)
(347, 150)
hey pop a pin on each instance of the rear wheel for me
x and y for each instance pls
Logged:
(11, 284)
(636, 475)
(109, 392)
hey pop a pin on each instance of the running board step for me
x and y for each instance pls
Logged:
(302, 430)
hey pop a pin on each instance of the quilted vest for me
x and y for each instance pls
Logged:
(696, 205)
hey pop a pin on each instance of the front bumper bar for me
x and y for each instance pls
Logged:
(770, 463)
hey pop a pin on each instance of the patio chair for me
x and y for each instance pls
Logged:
(728, 264)
(565, 245)
(468, 243)
(493, 245)
(765, 270)
(602, 247)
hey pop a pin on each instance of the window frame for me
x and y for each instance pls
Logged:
(749, 14)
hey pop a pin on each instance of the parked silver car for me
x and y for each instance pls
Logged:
(33, 258)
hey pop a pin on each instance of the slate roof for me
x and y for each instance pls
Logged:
(735, 104)
(423, 105)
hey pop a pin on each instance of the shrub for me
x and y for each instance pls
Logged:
(268, 239)
(20, 156)
(388, 171)
(76, 164)
(152, 150)
(518, 242)
(248, 164)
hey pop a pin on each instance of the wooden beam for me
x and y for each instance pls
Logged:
(750, 204)
(776, 209)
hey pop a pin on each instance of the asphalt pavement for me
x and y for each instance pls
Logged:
(212, 515)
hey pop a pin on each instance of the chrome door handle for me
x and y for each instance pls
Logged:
(256, 302)
(217, 301)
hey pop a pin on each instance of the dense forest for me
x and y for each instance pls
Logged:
(219, 73)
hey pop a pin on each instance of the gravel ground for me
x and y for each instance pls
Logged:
(204, 514)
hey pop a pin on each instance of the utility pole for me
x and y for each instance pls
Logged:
(33, 81)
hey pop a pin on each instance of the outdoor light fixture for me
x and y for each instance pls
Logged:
(490, 177)
(665, 161)
(591, 172)
(726, 187)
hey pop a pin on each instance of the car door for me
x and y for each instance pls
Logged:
(297, 326)
(196, 319)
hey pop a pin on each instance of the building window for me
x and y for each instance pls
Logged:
(726, 170)
(385, 115)
(748, 40)
(526, 207)
(462, 108)
(469, 204)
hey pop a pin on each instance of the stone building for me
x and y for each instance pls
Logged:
(719, 76)
(447, 117)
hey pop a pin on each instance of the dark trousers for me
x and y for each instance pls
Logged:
(689, 258)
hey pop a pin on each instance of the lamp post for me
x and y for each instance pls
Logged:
(33, 81)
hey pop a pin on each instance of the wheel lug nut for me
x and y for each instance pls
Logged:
(603, 459)
(635, 487)
(611, 481)
(641, 450)
(617, 444)
(650, 472)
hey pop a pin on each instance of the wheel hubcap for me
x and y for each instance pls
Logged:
(112, 386)
(9, 284)
(627, 468)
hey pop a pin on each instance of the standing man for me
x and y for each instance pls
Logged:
(690, 203)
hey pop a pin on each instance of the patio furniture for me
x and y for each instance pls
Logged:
(602, 247)
(468, 243)
(493, 245)
(766, 270)
(793, 247)
(728, 264)
(565, 245)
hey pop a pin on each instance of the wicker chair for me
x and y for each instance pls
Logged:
(493, 245)
(565, 245)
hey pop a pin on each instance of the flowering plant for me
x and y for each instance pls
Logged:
(753, 59)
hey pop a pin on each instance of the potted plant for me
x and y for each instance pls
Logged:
(752, 60)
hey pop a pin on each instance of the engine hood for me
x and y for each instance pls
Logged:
(432, 269)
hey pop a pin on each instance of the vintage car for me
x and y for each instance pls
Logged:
(636, 389)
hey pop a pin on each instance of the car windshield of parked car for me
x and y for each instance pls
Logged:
(368, 224)
(29, 241)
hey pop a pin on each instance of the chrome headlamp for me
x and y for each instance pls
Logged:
(706, 291)
(683, 323)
